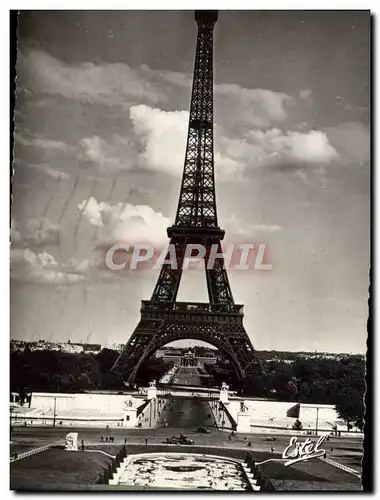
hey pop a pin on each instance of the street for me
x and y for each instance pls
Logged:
(184, 415)
(187, 375)
(187, 414)
(346, 450)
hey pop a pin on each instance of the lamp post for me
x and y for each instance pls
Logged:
(54, 411)
(316, 423)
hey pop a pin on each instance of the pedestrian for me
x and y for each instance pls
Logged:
(249, 444)
(102, 439)
(324, 455)
(146, 441)
(272, 449)
(125, 440)
(229, 437)
(332, 449)
(106, 439)
(82, 445)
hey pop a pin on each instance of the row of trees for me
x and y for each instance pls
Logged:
(313, 380)
(55, 371)
(339, 382)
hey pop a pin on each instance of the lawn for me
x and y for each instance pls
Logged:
(56, 469)
(310, 475)
(57, 466)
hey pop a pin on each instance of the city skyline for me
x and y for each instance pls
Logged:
(178, 344)
(101, 119)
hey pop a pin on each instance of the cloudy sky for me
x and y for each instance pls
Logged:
(101, 120)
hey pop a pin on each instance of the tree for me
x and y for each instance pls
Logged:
(350, 406)
(359, 423)
(292, 388)
(297, 426)
(253, 386)
(106, 358)
(303, 392)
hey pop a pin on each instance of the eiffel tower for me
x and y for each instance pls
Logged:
(220, 321)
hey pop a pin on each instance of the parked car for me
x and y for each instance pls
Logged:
(203, 430)
(270, 438)
(179, 440)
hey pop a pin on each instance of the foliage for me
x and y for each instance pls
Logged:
(297, 426)
(338, 381)
(287, 377)
(56, 371)
(350, 407)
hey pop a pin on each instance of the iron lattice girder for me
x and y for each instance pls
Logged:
(168, 282)
(163, 320)
(197, 203)
(158, 327)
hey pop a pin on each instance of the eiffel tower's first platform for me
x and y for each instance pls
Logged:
(163, 319)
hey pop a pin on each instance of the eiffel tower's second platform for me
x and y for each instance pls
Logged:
(219, 325)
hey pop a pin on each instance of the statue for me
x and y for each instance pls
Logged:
(152, 383)
(224, 393)
(225, 387)
(71, 441)
(128, 402)
(243, 407)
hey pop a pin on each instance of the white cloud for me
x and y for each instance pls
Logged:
(164, 137)
(262, 148)
(116, 154)
(112, 84)
(44, 168)
(95, 149)
(352, 140)
(51, 172)
(312, 146)
(235, 226)
(257, 107)
(305, 94)
(125, 223)
(40, 268)
(233, 104)
(35, 233)
(157, 139)
(40, 142)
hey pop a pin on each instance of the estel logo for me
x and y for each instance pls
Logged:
(307, 450)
